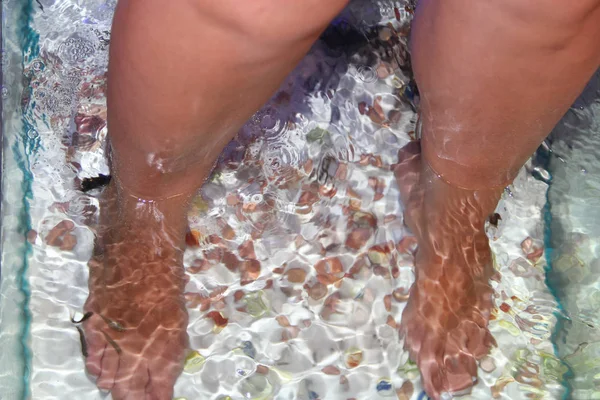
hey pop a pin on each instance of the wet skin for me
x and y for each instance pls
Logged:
(135, 322)
(175, 101)
(444, 324)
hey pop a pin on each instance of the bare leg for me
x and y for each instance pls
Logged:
(183, 77)
(494, 79)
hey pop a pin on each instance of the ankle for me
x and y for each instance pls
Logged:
(163, 215)
(469, 173)
(452, 226)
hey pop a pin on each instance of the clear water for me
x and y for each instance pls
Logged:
(307, 179)
(574, 236)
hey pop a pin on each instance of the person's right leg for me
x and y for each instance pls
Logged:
(494, 78)
(184, 76)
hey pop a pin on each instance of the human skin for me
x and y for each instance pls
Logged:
(184, 77)
(494, 79)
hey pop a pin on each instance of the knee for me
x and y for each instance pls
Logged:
(552, 11)
(554, 24)
(577, 12)
(555, 13)
(272, 21)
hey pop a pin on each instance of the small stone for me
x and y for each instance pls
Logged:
(250, 271)
(248, 349)
(526, 245)
(227, 232)
(68, 242)
(379, 255)
(238, 295)
(219, 320)
(362, 108)
(296, 275)
(376, 113)
(317, 291)
(214, 254)
(327, 191)
(498, 387)
(331, 370)
(215, 239)
(200, 205)
(511, 328)
(535, 341)
(233, 199)
(195, 299)
(494, 219)
(192, 238)
(407, 245)
(535, 255)
(391, 322)
(262, 369)
(401, 294)
(382, 271)
(231, 261)
(56, 235)
(32, 236)
(199, 265)
(342, 172)
(329, 270)
(246, 250)
(278, 270)
(193, 362)
(217, 293)
(384, 387)
(358, 238)
(385, 34)
(283, 321)
(406, 391)
(354, 357)
(487, 364)
(384, 70)
(344, 382)
(255, 304)
(387, 301)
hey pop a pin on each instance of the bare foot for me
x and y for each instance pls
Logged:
(445, 321)
(136, 330)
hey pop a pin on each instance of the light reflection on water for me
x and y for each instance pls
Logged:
(305, 190)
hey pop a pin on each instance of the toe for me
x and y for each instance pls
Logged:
(165, 367)
(476, 340)
(93, 362)
(432, 378)
(159, 387)
(408, 159)
(408, 152)
(461, 371)
(430, 361)
(95, 346)
(489, 343)
(132, 379)
(110, 365)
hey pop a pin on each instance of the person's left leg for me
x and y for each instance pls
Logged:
(183, 78)
(494, 79)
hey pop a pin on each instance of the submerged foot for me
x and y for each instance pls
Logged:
(445, 321)
(136, 334)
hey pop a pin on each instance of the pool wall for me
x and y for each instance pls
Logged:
(17, 43)
(574, 238)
